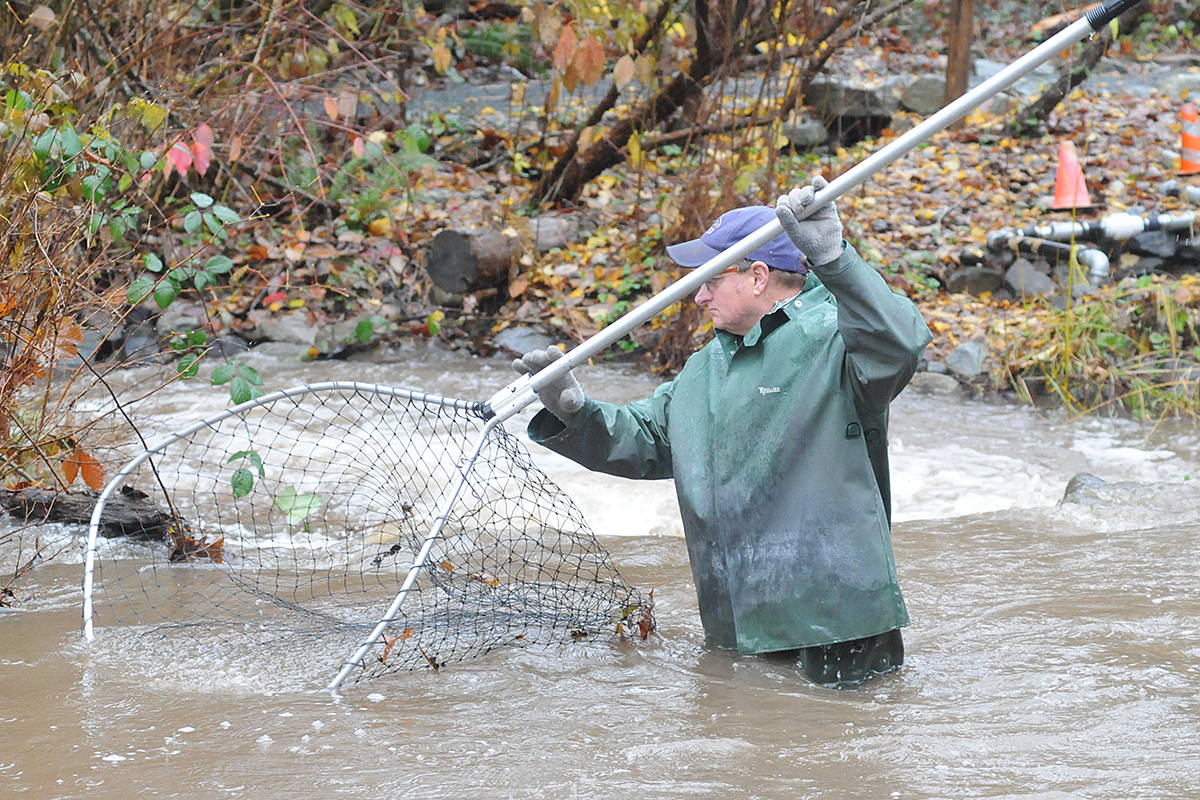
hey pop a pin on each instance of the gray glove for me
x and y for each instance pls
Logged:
(562, 398)
(819, 236)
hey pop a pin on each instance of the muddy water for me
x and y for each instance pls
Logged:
(1055, 650)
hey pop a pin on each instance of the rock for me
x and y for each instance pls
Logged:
(966, 360)
(1154, 243)
(102, 337)
(804, 133)
(520, 340)
(934, 383)
(141, 341)
(228, 345)
(1182, 83)
(975, 280)
(849, 97)
(292, 328)
(924, 95)
(1023, 279)
(1086, 489)
(179, 317)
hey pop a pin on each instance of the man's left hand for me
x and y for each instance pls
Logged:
(819, 236)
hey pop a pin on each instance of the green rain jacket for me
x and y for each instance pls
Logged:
(778, 446)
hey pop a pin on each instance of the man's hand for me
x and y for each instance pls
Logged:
(562, 398)
(819, 236)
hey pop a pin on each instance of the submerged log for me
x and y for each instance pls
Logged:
(127, 513)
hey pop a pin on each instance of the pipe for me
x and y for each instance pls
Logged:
(1095, 260)
(1115, 227)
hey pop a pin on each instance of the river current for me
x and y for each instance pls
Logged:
(1054, 651)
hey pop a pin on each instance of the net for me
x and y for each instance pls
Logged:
(298, 519)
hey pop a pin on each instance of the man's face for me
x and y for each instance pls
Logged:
(731, 299)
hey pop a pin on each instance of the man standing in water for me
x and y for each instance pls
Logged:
(776, 436)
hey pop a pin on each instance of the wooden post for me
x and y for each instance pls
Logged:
(958, 56)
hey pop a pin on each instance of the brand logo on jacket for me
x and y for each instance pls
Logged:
(766, 390)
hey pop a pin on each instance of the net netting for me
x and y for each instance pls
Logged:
(295, 521)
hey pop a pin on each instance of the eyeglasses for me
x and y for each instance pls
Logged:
(712, 283)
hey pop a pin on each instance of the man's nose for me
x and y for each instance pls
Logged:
(703, 295)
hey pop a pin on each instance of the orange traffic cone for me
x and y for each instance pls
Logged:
(1189, 148)
(1069, 189)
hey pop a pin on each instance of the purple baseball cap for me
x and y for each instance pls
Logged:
(729, 229)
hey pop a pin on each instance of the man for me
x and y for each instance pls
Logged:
(776, 436)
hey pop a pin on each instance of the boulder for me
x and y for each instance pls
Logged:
(975, 280)
(1023, 279)
(966, 360)
(520, 339)
(934, 383)
(924, 95)
(804, 133)
(834, 97)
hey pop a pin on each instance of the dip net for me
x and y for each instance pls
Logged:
(407, 529)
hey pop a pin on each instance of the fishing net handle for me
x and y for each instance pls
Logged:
(522, 392)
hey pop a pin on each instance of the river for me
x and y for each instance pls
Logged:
(1054, 650)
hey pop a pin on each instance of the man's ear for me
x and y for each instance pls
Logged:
(762, 275)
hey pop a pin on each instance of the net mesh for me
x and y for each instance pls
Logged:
(296, 520)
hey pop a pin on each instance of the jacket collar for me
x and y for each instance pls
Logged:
(813, 294)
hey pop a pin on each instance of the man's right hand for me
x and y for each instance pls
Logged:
(564, 396)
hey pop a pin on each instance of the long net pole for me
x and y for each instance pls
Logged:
(523, 391)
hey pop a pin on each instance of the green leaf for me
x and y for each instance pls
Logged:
(93, 187)
(72, 145)
(214, 225)
(242, 482)
(188, 366)
(218, 265)
(297, 506)
(139, 290)
(250, 374)
(222, 375)
(202, 280)
(196, 337)
(201, 199)
(364, 330)
(43, 145)
(164, 294)
(254, 457)
(125, 181)
(147, 159)
(152, 262)
(240, 391)
(226, 214)
(192, 221)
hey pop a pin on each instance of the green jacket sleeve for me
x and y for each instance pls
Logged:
(883, 331)
(629, 441)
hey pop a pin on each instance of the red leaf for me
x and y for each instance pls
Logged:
(203, 134)
(590, 60)
(92, 471)
(202, 156)
(179, 157)
(564, 51)
(71, 468)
